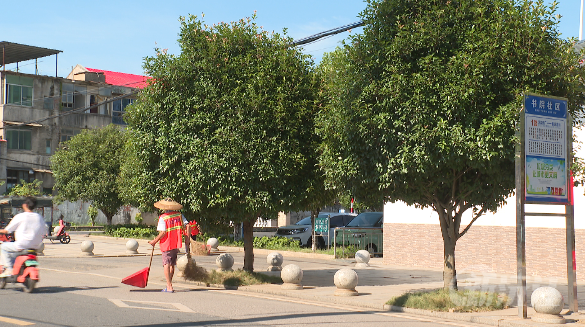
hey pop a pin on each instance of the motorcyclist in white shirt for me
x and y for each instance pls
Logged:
(29, 228)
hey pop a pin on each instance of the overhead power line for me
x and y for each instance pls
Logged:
(302, 41)
(321, 35)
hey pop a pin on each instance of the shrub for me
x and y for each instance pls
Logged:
(449, 300)
(138, 218)
(131, 231)
(92, 212)
(275, 243)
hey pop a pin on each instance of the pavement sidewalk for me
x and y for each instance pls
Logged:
(377, 283)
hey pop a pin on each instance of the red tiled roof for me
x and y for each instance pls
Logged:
(122, 79)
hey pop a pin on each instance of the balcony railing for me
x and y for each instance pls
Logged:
(355, 238)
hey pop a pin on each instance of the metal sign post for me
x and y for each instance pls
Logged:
(543, 159)
(520, 225)
(322, 226)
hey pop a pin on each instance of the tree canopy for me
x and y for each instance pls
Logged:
(87, 167)
(428, 98)
(226, 127)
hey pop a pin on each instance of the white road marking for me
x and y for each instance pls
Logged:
(182, 308)
(79, 272)
(348, 308)
(162, 305)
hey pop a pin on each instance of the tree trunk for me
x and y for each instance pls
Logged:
(449, 272)
(109, 218)
(249, 245)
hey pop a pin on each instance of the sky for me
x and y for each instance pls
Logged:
(118, 35)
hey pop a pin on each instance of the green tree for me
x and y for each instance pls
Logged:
(92, 213)
(87, 167)
(226, 127)
(429, 95)
(26, 189)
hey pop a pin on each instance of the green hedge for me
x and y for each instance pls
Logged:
(149, 232)
(131, 231)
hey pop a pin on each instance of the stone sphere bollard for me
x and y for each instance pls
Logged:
(132, 247)
(182, 264)
(213, 243)
(291, 275)
(346, 280)
(224, 262)
(87, 247)
(548, 303)
(274, 261)
(362, 259)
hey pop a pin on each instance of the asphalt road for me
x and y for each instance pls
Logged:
(88, 292)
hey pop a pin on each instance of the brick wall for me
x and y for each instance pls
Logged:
(483, 248)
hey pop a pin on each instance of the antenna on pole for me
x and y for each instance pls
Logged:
(581, 23)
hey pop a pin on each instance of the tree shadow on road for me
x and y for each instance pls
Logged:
(58, 289)
(249, 321)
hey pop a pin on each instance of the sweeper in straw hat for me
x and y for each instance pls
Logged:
(170, 227)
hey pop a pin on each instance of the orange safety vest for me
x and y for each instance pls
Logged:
(173, 239)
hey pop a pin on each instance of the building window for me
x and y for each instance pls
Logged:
(48, 146)
(72, 96)
(14, 177)
(47, 191)
(67, 134)
(118, 110)
(67, 96)
(19, 90)
(19, 139)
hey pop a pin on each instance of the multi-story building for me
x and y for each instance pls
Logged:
(38, 112)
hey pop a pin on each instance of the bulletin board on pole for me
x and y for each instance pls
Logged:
(547, 157)
(543, 164)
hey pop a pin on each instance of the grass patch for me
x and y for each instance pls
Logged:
(241, 278)
(238, 277)
(452, 301)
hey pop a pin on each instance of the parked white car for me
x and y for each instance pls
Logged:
(301, 231)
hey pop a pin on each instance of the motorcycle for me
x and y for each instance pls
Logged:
(25, 271)
(60, 233)
(5, 237)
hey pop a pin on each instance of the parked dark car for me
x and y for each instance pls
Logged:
(364, 232)
(301, 231)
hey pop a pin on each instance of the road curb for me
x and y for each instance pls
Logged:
(285, 253)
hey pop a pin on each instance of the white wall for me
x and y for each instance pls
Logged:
(399, 212)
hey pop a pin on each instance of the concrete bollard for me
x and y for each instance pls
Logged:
(548, 303)
(224, 262)
(346, 280)
(291, 275)
(132, 247)
(212, 244)
(274, 261)
(362, 259)
(182, 264)
(87, 248)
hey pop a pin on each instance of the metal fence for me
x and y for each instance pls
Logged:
(353, 238)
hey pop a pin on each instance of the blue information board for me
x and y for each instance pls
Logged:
(546, 149)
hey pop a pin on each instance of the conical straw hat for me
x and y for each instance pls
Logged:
(168, 204)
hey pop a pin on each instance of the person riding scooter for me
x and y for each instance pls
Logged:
(60, 234)
(28, 228)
